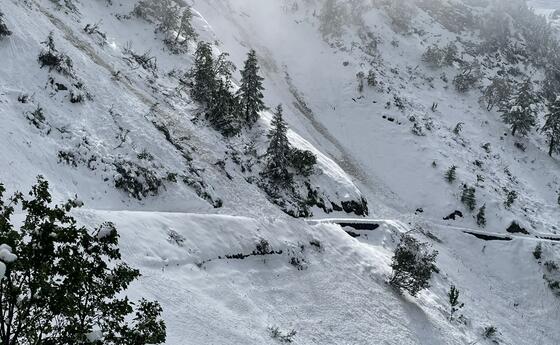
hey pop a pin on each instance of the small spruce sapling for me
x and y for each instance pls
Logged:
(360, 77)
(433, 56)
(458, 128)
(511, 196)
(454, 302)
(468, 197)
(288, 337)
(490, 332)
(53, 59)
(481, 216)
(451, 174)
(537, 252)
(371, 78)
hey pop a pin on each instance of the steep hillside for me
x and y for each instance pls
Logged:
(229, 258)
(371, 133)
(130, 136)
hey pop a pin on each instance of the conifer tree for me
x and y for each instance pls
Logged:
(481, 216)
(551, 127)
(520, 113)
(497, 93)
(185, 28)
(468, 197)
(224, 67)
(167, 15)
(204, 82)
(451, 174)
(413, 264)
(4, 31)
(278, 152)
(250, 92)
(453, 295)
(223, 111)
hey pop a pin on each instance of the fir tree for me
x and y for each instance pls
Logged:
(520, 113)
(551, 127)
(224, 67)
(4, 31)
(250, 92)
(481, 216)
(451, 174)
(537, 252)
(167, 14)
(453, 295)
(497, 93)
(278, 152)
(224, 109)
(203, 73)
(185, 29)
(303, 161)
(412, 265)
(67, 283)
(433, 56)
(468, 197)
(53, 59)
(511, 196)
(450, 53)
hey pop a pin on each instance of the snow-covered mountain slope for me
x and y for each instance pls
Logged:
(338, 294)
(134, 131)
(122, 150)
(369, 135)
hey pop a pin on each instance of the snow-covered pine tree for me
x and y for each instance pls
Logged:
(53, 59)
(520, 113)
(551, 83)
(250, 91)
(468, 197)
(278, 152)
(497, 93)
(303, 161)
(167, 16)
(450, 54)
(185, 30)
(224, 109)
(4, 31)
(433, 56)
(204, 82)
(224, 67)
(481, 216)
(451, 174)
(551, 127)
(413, 264)
(453, 295)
